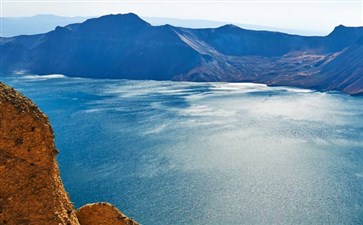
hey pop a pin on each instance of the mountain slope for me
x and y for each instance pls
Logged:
(110, 46)
(344, 72)
(125, 46)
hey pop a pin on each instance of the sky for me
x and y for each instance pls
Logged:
(320, 16)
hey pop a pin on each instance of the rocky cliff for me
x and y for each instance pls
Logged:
(31, 191)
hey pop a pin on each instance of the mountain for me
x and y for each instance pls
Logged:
(125, 46)
(13, 26)
(198, 23)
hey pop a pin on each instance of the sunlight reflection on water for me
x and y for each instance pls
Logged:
(207, 153)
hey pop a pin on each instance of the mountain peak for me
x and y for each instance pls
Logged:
(114, 24)
(340, 26)
(130, 18)
(345, 30)
(229, 26)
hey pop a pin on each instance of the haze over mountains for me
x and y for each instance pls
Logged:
(125, 46)
(13, 26)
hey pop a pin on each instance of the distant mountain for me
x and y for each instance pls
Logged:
(198, 23)
(125, 46)
(12, 26)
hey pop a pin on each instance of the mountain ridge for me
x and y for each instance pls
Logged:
(125, 46)
(42, 23)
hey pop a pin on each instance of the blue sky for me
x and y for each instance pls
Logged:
(321, 16)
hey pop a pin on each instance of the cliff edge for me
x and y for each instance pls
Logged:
(31, 191)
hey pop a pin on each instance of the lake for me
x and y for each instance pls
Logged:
(206, 153)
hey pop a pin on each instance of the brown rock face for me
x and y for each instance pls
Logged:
(31, 191)
(102, 214)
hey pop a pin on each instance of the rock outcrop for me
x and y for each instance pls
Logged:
(102, 214)
(31, 191)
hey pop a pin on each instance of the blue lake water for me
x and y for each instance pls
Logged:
(169, 153)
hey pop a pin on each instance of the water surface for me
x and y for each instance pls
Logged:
(206, 153)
